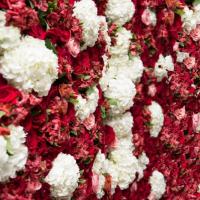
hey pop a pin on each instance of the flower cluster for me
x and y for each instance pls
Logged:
(99, 99)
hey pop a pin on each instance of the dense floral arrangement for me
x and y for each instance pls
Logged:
(99, 99)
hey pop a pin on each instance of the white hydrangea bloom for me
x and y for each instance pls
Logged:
(63, 176)
(121, 90)
(13, 153)
(157, 119)
(143, 161)
(127, 166)
(158, 184)
(31, 66)
(9, 35)
(122, 125)
(120, 12)
(123, 40)
(86, 12)
(85, 107)
(181, 56)
(133, 70)
(163, 65)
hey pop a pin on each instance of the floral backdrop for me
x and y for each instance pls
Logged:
(99, 99)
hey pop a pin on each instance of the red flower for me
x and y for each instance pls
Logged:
(4, 131)
(109, 136)
(8, 94)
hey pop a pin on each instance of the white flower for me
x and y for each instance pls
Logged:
(120, 90)
(31, 66)
(13, 153)
(123, 40)
(163, 65)
(157, 119)
(85, 107)
(120, 12)
(134, 69)
(86, 12)
(181, 56)
(104, 29)
(63, 176)
(190, 19)
(143, 161)
(122, 125)
(158, 184)
(4, 156)
(126, 164)
(9, 35)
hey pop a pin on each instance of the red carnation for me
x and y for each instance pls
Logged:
(8, 94)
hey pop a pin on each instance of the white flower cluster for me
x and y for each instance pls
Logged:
(157, 119)
(63, 177)
(120, 12)
(30, 66)
(122, 166)
(13, 153)
(85, 107)
(163, 65)
(86, 12)
(158, 184)
(9, 35)
(191, 17)
(181, 56)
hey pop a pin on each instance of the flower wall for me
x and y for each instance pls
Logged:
(99, 99)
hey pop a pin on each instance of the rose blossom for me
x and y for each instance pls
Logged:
(89, 122)
(196, 122)
(190, 62)
(180, 113)
(152, 90)
(195, 34)
(73, 47)
(149, 17)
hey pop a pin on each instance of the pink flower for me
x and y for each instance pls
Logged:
(176, 46)
(148, 17)
(89, 123)
(180, 113)
(190, 62)
(95, 182)
(152, 90)
(195, 34)
(196, 122)
(73, 47)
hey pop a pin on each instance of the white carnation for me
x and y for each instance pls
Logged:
(13, 153)
(157, 119)
(163, 65)
(123, 40)
(31, 66)
(85, 107)
(9, 35)
(120, 12)
(86, 12)
(158, 184)
(121, 90)
(122, 125)
(181, 56)
(63, 176)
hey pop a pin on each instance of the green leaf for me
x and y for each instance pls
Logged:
(73, 133)
(73, 101)
(87, 161)
(103, 112)
(2, 114)
(148, 124)
(90, 90)
(29, 3)
(9, 147)
(50, 46)
(113, 102)
(52, 5)
(42, 15)
(179, 12)
(197, 1)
